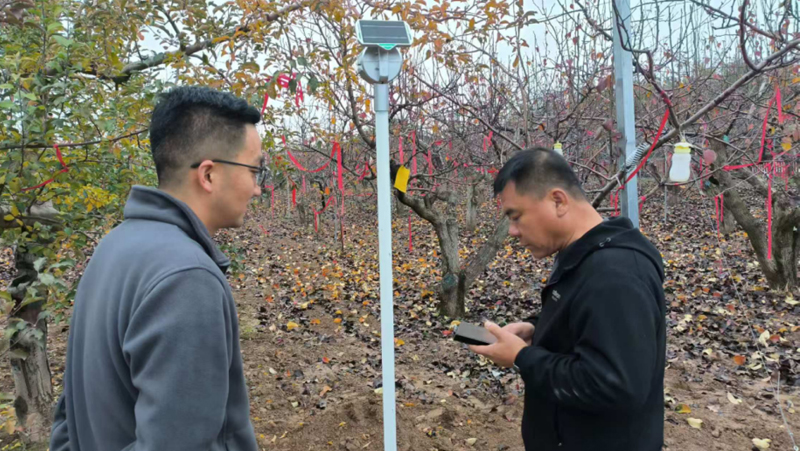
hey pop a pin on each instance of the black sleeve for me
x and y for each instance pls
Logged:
(616, 321)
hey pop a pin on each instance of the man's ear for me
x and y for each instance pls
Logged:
(206, 176)
(561, 201)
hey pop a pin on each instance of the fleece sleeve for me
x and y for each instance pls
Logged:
(59, 437)
(178, 345)
(615, 320)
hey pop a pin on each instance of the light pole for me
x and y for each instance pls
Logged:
(379, 64)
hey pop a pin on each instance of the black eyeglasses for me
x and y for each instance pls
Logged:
(261, 175)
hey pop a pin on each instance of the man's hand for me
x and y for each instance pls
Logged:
(522, 330)
(505, 350)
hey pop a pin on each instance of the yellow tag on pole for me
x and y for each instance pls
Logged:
(401, 181)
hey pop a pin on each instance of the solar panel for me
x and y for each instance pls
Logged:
(383, 33)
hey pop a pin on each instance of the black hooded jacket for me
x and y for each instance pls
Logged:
(594, 374)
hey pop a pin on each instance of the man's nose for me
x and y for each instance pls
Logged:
(513, 230)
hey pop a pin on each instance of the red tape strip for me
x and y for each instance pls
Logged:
(64, 168)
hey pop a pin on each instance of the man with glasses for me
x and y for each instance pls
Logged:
(153, 361)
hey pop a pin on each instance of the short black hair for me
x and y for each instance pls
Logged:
(192, 123)
(536, 171)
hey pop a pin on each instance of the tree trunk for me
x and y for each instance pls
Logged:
(453, 290)
(456, 279)
(780, 270)
(28, 355)
(472, 207)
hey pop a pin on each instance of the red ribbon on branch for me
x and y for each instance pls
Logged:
(486, 141)
(400, 148)
(615, 199)
(324, 207)
(763, 131)
(414, 153)
(64, 168)
(335, 152)
(264, 106)
(719, 204)
(770, 170)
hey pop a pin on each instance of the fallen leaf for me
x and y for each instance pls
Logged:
(379, 391)
(764, 337)
(695, 423)
(337, 320)
(739, 359)
(472, 441)
(683, 408)
(761, 443)
(399, 342)
(291, 325)
(790, 300)
(325, 390)
(315, 322)
(733, 399)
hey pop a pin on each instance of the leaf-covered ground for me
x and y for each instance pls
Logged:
(310, 322)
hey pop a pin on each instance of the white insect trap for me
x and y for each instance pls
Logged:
(557, 148)
(681, 163)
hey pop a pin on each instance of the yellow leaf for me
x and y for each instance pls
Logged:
(695, 423)
(337, 320)
(399, 342)
(790, 300)
(292, 325)
(8, 218)
(796, 80)
(14, 210)
(683, 408)
(761, 444)
(733, 399)
(368, 104)
(764, 337)
(786, 146)
(315, 322)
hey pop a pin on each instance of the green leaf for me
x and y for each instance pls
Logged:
(6, 86)
(293, 86)
(47, 279)
(5, 295)
(6, 105)
(28, 301)
(302, 61)
(54, 26)
(65, 42)
(39, 263)
(313, 84)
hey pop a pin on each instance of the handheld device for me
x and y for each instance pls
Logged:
(473, 335)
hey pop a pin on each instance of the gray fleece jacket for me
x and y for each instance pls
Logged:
(153, 361)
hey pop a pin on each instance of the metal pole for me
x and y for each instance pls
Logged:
(385, 254)
(626, 125)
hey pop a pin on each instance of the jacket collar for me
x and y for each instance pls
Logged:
(156, 205)
(596, 238)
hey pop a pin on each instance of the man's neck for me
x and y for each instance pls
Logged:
(199, 210)
(586, 218)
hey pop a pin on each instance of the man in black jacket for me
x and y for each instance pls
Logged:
(594, 367)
